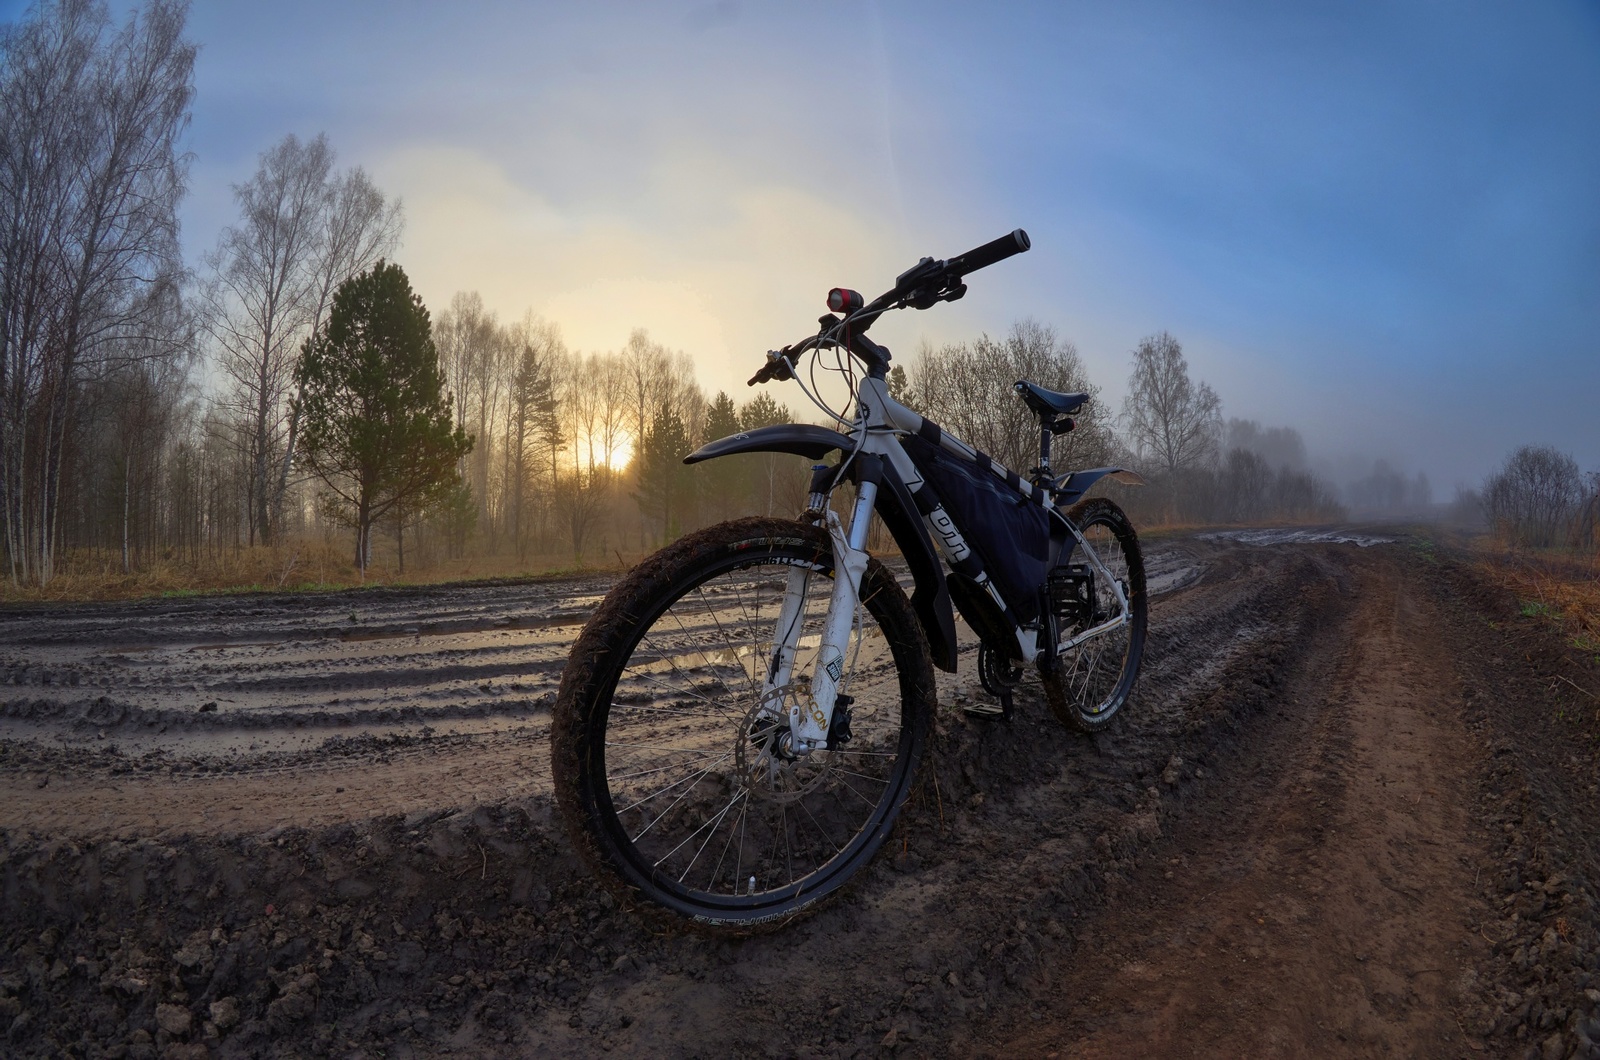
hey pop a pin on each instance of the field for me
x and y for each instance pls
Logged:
(1352, 811)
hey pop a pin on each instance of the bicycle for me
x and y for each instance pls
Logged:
(739, 723)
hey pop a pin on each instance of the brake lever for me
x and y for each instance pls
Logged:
(778, 366)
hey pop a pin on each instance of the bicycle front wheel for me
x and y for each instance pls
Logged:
(674, 770)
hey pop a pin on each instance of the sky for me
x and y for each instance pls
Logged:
(1376, 222)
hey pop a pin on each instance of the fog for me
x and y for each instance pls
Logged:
(1376, 226)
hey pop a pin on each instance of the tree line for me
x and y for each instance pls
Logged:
(152, 414)
(1200, 468)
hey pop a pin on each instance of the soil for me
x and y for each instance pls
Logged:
(1351, 811)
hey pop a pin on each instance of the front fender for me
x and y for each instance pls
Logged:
(930, 598)
(801, 439)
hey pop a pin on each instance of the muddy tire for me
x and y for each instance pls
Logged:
(1091, 683)
(671, 779)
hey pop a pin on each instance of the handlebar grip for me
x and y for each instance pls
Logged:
(986, 255)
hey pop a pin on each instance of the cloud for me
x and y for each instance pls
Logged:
(724, 268)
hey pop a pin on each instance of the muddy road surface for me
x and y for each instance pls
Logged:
(1352, 811)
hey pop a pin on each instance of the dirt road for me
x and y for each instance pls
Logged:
(1352, 812)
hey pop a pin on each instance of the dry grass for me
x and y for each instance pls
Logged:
(1560, 585)
(303, 566)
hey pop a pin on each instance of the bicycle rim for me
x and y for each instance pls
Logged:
(1096, 677)
(696, 791)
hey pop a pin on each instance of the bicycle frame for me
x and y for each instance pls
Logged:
(887, 479)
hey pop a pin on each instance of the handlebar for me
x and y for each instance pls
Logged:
(930, 281)
(922, 286)
(995, 250)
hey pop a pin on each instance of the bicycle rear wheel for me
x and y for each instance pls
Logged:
(675, 777)
(1091, 682)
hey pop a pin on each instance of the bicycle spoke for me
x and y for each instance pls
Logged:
(706, 798)
(695, 777)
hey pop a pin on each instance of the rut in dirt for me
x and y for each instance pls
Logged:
(1324, 905)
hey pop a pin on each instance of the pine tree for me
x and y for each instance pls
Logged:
(770, 469)
(378, 428)
(663, 486)
(725, 482)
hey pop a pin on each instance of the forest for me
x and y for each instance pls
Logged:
(150, 415)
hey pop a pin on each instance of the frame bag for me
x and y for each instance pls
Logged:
(1009, 531)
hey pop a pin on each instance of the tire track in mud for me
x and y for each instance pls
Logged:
(402, 780)
(342, 663)
(444, 929)
(270, 760)
(1332, 914)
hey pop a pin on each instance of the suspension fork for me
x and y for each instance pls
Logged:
(810, 716)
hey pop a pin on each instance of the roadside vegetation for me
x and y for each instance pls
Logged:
(1537, 534)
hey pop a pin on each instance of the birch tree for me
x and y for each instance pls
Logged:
(1172, 421)
(90, 181)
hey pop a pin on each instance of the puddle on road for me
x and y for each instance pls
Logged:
(1285, 536)
(1167, 570)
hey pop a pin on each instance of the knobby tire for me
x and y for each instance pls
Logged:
(669, 777)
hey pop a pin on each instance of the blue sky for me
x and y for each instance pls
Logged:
(1379, 223)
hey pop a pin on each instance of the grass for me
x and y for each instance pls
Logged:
(1558, 586)
(299, 567)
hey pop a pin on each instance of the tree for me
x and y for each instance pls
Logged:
(770, 478)
(1278, 446)
(1587, 531)
(1171, 421)
(303, 230)
(899, 384)
(359, 227)
(535, 430)
(727, 481)
(479, 359)
(1534, 499)
(659, 382)
(663, 484)
(968, 387)
(377, 423)
(260, 301)
(580, 496)
(90, 180)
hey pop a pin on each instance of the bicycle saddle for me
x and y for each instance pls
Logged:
(1049, 402)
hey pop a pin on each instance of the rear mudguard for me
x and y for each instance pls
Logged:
(931, 598)
(1075, 484)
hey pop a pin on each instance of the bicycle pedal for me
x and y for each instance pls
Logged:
(991, 711)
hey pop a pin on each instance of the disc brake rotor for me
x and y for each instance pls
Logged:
(764, 754)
